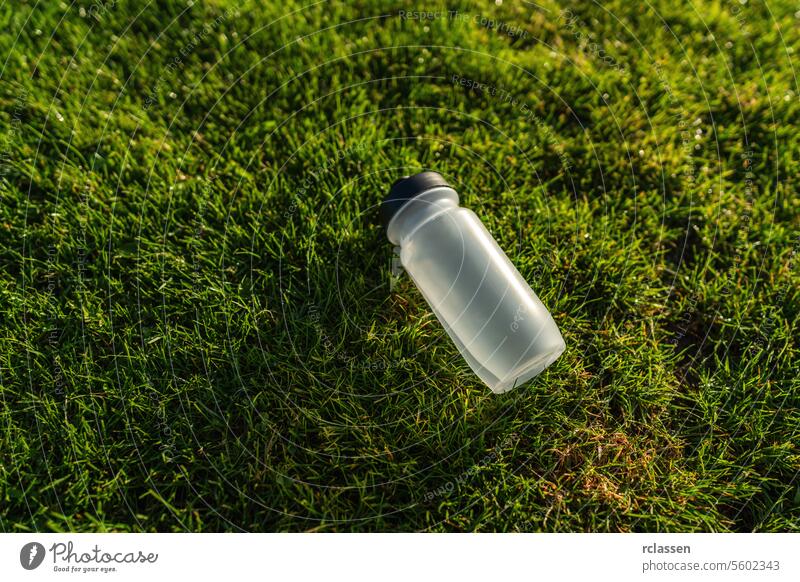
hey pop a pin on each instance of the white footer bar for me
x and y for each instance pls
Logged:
(379, 557)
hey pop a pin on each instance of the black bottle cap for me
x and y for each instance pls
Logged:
(405, 189)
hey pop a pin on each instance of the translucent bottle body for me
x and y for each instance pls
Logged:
(499, 325)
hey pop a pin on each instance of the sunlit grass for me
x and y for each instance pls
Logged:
(199, 327)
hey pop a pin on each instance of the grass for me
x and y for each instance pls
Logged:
(200, 330)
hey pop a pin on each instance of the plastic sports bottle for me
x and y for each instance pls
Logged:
(499, 325)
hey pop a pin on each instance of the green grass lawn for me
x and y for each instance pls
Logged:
(200, 326)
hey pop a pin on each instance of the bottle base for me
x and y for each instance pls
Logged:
(527, 371)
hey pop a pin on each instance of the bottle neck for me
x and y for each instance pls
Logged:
(418, 210)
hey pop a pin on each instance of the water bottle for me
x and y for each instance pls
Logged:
(499, 325)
